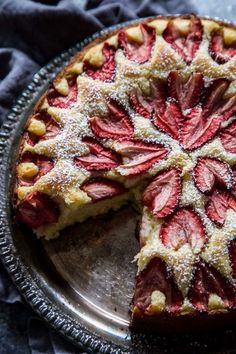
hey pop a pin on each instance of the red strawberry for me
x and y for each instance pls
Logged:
(170, 121)
(218, 204)
(116, 125)
(52, 129)
(101, 188)
(218, 50)
(146, 105)
(141, 104)
(207, 280)
(99, 157)
(107, 71)
(202, 122)
(162, 194)
(197, 129)
(44, 163)
(37, 210)
(135, 51)
(205, 111)
(185, 226)
(232, 256)
(165, 112)
(215, 103)
(58, 100)
(228, 137)
(156, 277)
(138, 156)
(209, 171)
(185, 44)
(187, 93)
(29, 139)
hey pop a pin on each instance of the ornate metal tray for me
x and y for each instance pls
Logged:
(82, 283)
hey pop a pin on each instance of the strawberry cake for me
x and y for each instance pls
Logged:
(146, 115)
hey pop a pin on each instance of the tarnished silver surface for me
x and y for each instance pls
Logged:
(94, 258)
(82, 283)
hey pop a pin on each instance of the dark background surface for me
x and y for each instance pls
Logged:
(20, 329)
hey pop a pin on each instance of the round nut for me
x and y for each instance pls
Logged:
(37, 127)
(27, 169)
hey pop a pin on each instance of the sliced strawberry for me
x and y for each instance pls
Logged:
(57, 100)
(44, 164)
(202, 122)
(187, 93)
(207, 280)
(232, 256)
(218, 50)
(99, 157)
(162, 195)
(102, 188)
(171, 120)
(29, 138)
(185, 226)
(135, 51)
(228, 137)
(145, 104)
(185, 44)
(197, 129)
(164, 112)
(52, 129)
(210, 171)
(215, 103)
(141, 104)
(37, 210)
(107, 71)
(138, 156)
(116, 125)
(206, 109)
(218, 204)
(156, 277)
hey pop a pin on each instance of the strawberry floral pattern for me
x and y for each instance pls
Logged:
(187, 110)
